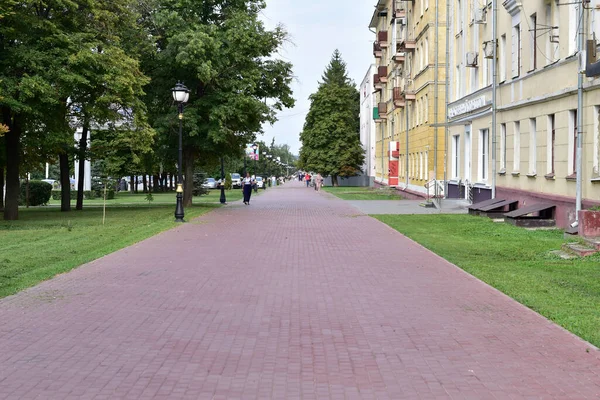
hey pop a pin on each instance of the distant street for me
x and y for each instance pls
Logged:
(297, 296)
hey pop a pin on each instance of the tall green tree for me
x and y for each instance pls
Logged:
(331, 138)
(223, 53)
(62, 64)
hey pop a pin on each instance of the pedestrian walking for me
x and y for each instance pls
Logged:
(247, 188)
(318, 182)
(307, 178)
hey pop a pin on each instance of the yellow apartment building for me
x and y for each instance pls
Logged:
(409, 90)
(534, 145)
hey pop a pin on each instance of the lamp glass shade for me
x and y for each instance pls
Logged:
(181, 94)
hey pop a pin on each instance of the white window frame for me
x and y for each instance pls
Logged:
(532, 146)
(550, 144)
(456, 156)
(468, 152)
(483, 156)
(502, 148)
(517, 146)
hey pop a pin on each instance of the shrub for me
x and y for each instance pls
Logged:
(228, 182)
(197, 189)
(87, 194)
(39, 193)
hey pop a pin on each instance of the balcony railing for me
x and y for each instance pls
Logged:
(383, 109)
(382, 71)
(377, 51)
(382, 38)
(399, 100)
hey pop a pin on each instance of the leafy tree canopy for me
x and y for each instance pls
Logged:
(330, 138)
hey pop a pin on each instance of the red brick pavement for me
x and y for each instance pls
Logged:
(296, 296)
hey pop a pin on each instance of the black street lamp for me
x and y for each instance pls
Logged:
(254, 147)
(181, 94)
(223, 200)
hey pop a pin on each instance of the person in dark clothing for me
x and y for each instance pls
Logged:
(247, 183)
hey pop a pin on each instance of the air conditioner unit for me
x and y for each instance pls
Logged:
(479, 16)
(488, 49)
(554, 39)
(402, 20)
(472, 59)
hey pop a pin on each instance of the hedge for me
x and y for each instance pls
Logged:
(39, 193)
(87, 194)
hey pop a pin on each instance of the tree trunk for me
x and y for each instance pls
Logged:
(1, 188)
(137, 182)
(144, 184)
(131, 183)
(13, 161)
(171, 181)
(334, 180)
(65, 182)
(82, 157)
(188, 177)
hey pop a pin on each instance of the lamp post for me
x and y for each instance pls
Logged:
(264, 169)
(181, 94)
(254, 147)
(223, 199)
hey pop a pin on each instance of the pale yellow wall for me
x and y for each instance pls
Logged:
(420, 133)
(550, 88)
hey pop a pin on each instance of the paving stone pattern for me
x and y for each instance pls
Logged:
(296, 296)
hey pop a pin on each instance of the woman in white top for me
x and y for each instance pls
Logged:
(247, 183)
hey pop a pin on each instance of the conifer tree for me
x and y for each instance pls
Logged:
(330, 138)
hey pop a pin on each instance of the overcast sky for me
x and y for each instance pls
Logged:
(317, 28)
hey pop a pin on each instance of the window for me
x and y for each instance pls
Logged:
(516, 50)
(483, 154)
(501, 58)
(573, 25)
(595, 157)
(426, 108)
(421, 165)
(468, 153)
(426, 51)
(534, 33)
(517, 146)
(572, 147)
(456, 156)
(551, 129)
(502, 147)
(532, 146)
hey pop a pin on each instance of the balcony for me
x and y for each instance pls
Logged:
(406, 44)
(382, 38)
(399, 100)
(377, 84)
(399, 9)
(400, 57)
(382, 71)
(409, 95)
(383, 110)
(377, 52)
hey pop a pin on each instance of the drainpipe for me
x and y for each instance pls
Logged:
(436, 98)
(580, 44)
(447, 128)
(494, 91)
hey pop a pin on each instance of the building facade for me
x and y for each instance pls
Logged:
(367, 125)
(409, 90)
(531, 155)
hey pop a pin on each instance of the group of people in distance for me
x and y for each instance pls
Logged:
(316, 180)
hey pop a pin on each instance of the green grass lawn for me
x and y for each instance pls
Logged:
(517, 262)
(126, 198)
(363, 193)
(45, 242)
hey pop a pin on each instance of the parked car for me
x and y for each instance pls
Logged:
(236, 180)
(260, 183)
(209, 183)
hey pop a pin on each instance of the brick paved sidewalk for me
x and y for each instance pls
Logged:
(297, 296)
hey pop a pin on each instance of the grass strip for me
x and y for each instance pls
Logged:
(362, 193)
(517, 262)
(45, 242)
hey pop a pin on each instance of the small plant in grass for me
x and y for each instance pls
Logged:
(228, 182)
(595, 208)
(149, 198)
